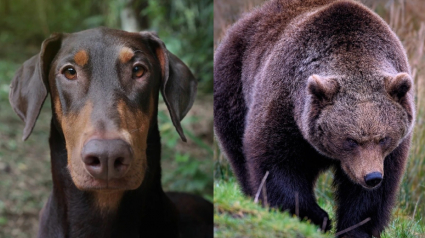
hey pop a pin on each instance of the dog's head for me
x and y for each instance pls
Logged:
(104, 86)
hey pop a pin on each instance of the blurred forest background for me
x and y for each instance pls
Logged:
(236, 216)
(185, 26)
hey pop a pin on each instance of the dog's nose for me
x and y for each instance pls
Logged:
(373, 179)
(107, 159)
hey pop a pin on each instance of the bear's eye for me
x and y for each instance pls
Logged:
(384, 141)
(350, 144)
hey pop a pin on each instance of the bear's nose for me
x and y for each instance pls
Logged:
(373, 179)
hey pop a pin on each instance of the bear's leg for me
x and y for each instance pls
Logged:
(229, 104)
(229, 113)
(356, 203)
(289, 186)
(273, 143)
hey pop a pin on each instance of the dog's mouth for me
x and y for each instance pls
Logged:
(113, 185)
(86, 182)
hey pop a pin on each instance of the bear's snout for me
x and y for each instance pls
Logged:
(373, 179)
(365, 166)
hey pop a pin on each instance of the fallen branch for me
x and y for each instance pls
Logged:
(265, 203)
(353, 227)
(261, 186)
(297, 205)
(416, 206)
(325, 222)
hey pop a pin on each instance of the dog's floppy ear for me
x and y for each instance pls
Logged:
(178, 86)
(28, 89)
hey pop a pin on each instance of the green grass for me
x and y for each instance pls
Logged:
(238, 216)
(404, 227)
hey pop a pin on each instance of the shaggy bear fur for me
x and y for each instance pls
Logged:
(303, 86)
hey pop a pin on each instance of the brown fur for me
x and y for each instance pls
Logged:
(163, 62)
(81, 58)
(301, 86)
(125, 54)
(75, 128)
(108, 202)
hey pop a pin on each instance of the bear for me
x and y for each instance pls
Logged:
(301, 87)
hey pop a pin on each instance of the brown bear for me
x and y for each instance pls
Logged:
(304, 86)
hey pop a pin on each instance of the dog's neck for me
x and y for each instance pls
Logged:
(75, 213)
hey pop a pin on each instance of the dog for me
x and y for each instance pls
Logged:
(104, 139)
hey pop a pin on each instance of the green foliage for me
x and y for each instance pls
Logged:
(25, 178)
(186, 172)
(412, 188)
(27, 23)
(186, 28)
(404, 227)
(7, 71)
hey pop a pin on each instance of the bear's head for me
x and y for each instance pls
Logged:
(358, 120)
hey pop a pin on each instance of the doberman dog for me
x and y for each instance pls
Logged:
(104, 139)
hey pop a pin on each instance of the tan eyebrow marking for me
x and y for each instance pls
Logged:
(126, 54)
(81, 57)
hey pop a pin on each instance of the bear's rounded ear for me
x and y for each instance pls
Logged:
(322, 88)
(398, 86)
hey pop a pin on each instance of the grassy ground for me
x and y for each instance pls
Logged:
(237, 216)
(408, 220)
(25, 178)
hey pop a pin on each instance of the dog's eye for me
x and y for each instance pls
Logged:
(70, 73)
(138, 71)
